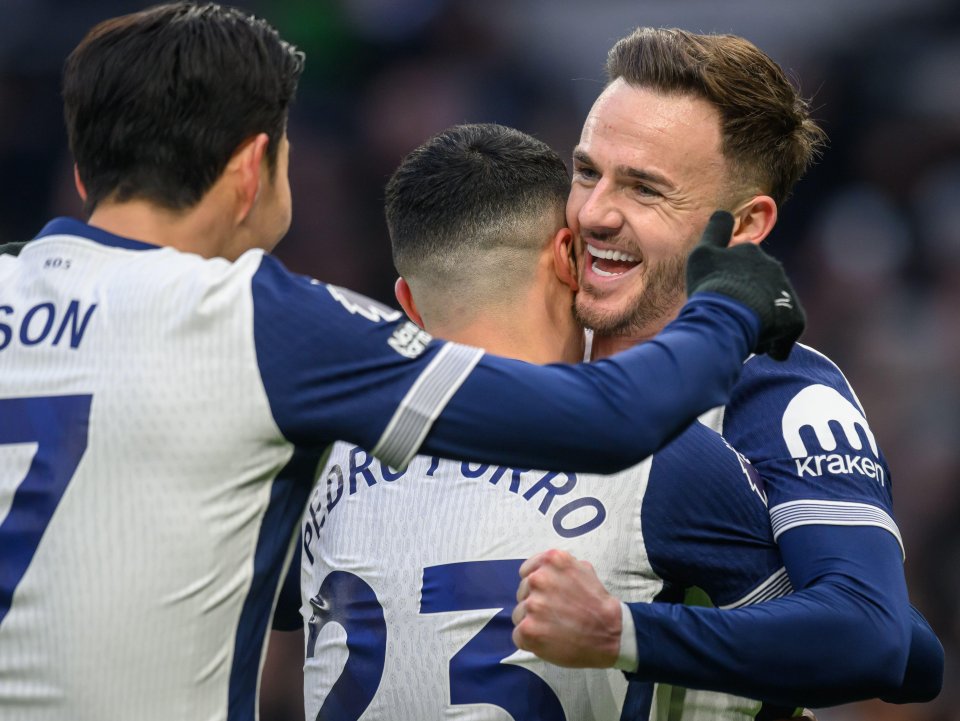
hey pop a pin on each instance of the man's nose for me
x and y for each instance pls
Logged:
(601, 211)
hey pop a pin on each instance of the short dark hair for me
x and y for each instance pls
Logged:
(768, 135)
(470, 189)
(157, 101)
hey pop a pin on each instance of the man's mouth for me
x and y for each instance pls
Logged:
(608, 263)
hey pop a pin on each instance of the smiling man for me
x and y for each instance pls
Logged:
(652, 165)
(664, 162)
(686, 124)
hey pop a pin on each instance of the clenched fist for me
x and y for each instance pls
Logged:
(564, 614)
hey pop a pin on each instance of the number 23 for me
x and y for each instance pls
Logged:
(347, 599)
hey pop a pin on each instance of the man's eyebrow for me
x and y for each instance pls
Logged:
(646, 176)
(580, 156)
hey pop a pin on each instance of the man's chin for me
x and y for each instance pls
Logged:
(601, 318)
(638, 309)
(642, 316)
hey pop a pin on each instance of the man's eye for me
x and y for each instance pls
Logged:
(585, 173)
(646, 191)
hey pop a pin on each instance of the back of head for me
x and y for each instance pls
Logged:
(156, 102)
(469, 213)
(769, 139)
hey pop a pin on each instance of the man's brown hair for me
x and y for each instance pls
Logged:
(767, 134)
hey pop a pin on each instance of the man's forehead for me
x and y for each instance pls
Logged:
(625, 112)
(628, 120)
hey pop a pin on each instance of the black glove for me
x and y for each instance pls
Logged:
(751, 277)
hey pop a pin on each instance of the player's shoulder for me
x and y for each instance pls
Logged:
(136, 274)
(804, 364)
(276, 287)
(198, 287)
(808, 377)
(790, 409)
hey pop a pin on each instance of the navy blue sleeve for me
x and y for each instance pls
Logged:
(844, 635)
(337, 366)
(604, 416)
(849, 631)
(923, 679)
(334, 364)
(704, 519)
(803, 428)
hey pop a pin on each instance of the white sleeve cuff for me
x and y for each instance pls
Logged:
(629, 658)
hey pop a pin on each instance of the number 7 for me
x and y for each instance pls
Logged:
(58, 425)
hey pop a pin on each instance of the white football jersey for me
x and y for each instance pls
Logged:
(148, 496)
(408, 579)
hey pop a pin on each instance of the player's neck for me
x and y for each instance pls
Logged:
(521, 341)
(537, 331)
(201, 229)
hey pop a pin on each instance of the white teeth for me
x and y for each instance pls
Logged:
(611, 255)
(603, 273)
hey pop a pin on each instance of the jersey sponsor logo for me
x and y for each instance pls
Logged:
(822, 410)
(361, 305)
(409, 340)
(45, 322)
(836, 463)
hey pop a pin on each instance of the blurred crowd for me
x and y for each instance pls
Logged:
(871, 237)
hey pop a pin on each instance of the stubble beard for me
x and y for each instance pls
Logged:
(664, 289)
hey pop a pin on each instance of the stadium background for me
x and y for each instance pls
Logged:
(872, 236)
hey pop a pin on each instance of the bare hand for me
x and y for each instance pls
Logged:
(564, 614)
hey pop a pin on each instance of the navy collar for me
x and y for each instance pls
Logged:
(70, 226)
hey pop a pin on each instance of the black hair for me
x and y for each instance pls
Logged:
(468, 187)
(157, 101)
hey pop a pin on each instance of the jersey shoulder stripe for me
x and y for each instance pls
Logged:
(792, 514)
(422, 404)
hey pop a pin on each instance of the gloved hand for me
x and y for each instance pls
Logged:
(751, 277)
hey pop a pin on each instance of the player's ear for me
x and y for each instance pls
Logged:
(247, 167)
(564, 259)
(78, 184)
(405, 299)
(753, 221)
